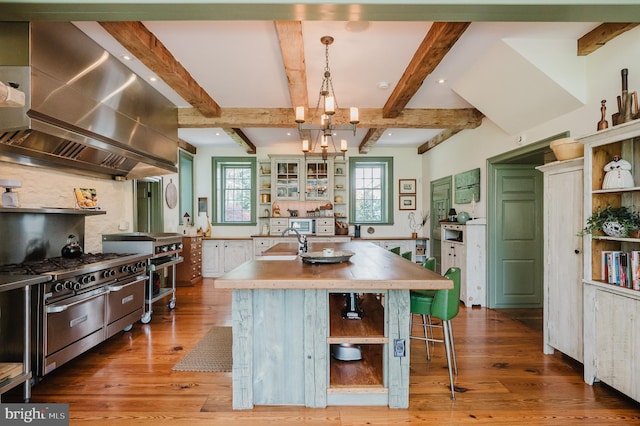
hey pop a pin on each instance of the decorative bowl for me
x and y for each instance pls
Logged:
(567, 149)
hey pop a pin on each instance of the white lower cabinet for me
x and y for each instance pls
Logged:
(612, 338)
(463, 246)
(221, 256)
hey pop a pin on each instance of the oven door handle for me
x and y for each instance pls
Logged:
(54, 309)
(115, 288)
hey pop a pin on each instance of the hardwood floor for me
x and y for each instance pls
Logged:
(504, 378)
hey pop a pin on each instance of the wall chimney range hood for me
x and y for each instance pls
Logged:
(85, 112)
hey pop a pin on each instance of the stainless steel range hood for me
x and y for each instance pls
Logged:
(85, 112)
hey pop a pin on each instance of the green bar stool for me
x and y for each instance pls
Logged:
(395, 250)
(445, 305)
(407, 255)
(429, 263)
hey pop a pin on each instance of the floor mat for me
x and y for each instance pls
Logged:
(212, 353)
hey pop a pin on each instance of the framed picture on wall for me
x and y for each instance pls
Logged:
(407, 186)
(407, 202)
(202, 205)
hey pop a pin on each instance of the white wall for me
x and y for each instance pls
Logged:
(469, 149)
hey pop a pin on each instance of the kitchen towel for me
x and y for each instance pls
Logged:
(212, 353)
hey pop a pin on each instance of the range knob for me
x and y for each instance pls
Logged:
(87, 279)
(77, 286)
(158, 250)
(124, 268)
(108, 273)
(141, 264)
(57, 287)
(133, 268)
(179, 246)
(68, 285)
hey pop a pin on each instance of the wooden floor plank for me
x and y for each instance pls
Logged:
(504, 378)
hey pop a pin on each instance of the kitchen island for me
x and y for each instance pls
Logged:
(288, 320)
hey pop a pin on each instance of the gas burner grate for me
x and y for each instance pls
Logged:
(53, 264)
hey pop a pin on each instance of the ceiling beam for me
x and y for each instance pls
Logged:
(145, 46)
(437, 140)
(370, 139)
(463, 118)
(241, 139)
(292, 49)
(439, 40)
(599, 36)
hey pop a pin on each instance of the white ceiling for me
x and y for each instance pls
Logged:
(239, 64)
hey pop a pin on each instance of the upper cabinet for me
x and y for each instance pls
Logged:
(312, 179)
(317, 180)
(285, 178)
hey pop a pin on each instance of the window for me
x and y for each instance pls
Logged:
(234, 191)
(185, 174)
(371, 195)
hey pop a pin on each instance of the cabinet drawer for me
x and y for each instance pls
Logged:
(277, 230)
(281, 221)
(325, 230)
(325, 222)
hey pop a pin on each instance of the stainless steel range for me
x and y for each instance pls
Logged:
(87, 300)
(163, 250)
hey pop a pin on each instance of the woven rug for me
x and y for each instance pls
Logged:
(212, 353)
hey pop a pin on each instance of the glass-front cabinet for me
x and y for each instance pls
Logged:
(285, 181)
(317, 180)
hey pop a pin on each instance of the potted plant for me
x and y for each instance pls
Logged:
(613, 221)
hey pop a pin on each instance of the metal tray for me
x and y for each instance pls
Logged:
(339, 256)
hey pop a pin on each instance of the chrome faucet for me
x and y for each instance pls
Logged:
(302, 239)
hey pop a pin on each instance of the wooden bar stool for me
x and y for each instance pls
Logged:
(445, 305)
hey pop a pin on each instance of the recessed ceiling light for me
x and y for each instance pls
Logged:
(389, 134)
(217, 133)
(126, 57)
(153, 79)
(288, 133)
(442, 80)
(384, 85)
(357, 26)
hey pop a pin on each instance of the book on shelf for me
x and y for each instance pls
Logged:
(621, 268)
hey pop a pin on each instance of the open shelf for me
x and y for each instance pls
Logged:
(365, 373)
(369, 329)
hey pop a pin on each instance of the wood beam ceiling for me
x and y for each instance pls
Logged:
(136, 38)
(602, 34)
(437, 43)
(463, 118)
(145, 46)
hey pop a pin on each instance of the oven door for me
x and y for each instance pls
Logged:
(71, 320)
(125, 304)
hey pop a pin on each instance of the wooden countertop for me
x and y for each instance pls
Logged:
(370, 268)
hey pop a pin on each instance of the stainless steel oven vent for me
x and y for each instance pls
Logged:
(84, 111)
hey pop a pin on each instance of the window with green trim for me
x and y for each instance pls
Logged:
(234, 195)
(371, 191)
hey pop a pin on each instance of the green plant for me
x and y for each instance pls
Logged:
(628, 220)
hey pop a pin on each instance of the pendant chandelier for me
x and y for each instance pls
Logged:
(324, 130)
